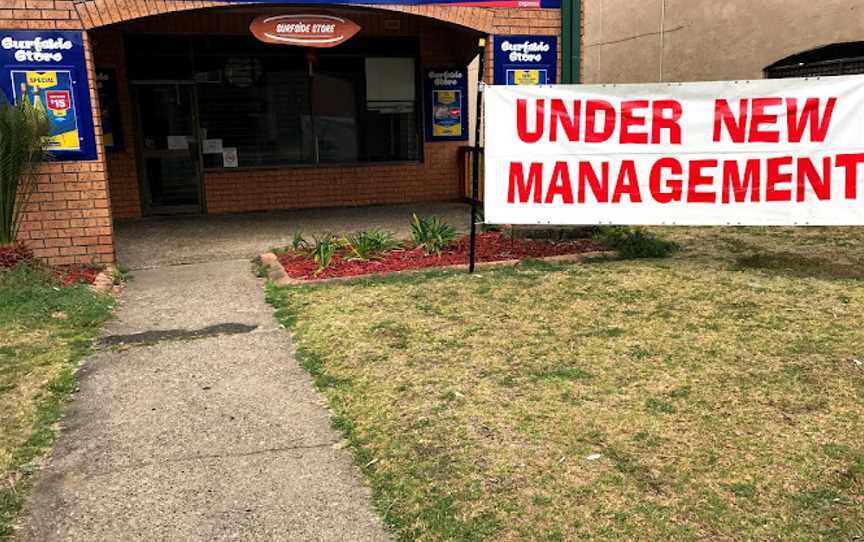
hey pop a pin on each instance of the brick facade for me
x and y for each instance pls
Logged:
(70, 218)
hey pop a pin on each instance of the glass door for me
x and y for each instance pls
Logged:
(170, 151)
(334, 95)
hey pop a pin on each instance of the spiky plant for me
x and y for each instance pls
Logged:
(23, 129)
(368, 244)
(432, 234)
(323, 250)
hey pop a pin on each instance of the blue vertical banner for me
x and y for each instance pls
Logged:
(48, 69)
(446, 104)
(525, 60)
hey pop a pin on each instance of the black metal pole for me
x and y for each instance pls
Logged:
(475, 155)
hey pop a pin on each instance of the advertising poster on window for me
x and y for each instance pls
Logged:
(525, 60)
(112, 131)
(48, 71)
(767, 152)
(446, 104)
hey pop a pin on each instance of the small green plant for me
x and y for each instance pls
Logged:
(259, 268)
(432, 234)
(122, 275)
(634, 242)
(298, 243)
(367, 244)
(323, 250)
(23, 129)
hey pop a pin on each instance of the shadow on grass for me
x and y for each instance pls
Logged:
(798, 265)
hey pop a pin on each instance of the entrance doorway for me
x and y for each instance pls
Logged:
(171, 167)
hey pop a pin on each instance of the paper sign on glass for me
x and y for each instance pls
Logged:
(229, 157)
(178, 143)
(212, 146)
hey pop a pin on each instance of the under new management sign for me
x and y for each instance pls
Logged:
(787, 151)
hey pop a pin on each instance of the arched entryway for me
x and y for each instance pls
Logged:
(209, 120)
(100, 13)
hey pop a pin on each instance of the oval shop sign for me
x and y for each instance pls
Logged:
(304, 30)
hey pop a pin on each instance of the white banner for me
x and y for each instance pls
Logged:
(770, 152)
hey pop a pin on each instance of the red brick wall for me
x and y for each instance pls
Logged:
(69, 218)
(122, 166)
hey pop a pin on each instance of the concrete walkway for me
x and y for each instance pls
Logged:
(160, 241)
(194, 422)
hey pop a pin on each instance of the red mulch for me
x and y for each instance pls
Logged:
(77, 274)
(491, 247)
(10, 256)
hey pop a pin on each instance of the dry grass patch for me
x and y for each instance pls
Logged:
(44, 331)
(716, 395)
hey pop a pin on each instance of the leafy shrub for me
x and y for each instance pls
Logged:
(366, 244)
(22, 132)
(298, 243)
(634, 242)
(323, 250)
(432, 234)
(14, 254)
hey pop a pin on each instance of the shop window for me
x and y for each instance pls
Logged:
(391, 97)
(289, 106)
(258, 105)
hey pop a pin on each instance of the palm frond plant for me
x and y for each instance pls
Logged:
(23, 130)
(323, 250)
(368, 244)
(299, 243)
(432, 234)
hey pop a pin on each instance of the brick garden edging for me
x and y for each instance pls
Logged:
(276, 273)
(105, 280)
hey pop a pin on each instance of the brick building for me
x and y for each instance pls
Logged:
(193, 114)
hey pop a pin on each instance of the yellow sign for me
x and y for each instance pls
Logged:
(51, 93)
(447, 113)
(526, 77)
(41, 79)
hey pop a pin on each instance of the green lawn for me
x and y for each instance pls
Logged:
(44, 332)
(714, 395)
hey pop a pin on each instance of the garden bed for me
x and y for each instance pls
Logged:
(491, 247)
(68, 275)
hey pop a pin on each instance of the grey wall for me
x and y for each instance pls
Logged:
(635, 41)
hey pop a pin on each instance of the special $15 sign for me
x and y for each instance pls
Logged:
(780, 151)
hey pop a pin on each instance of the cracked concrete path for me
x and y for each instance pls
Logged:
(194, 422)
